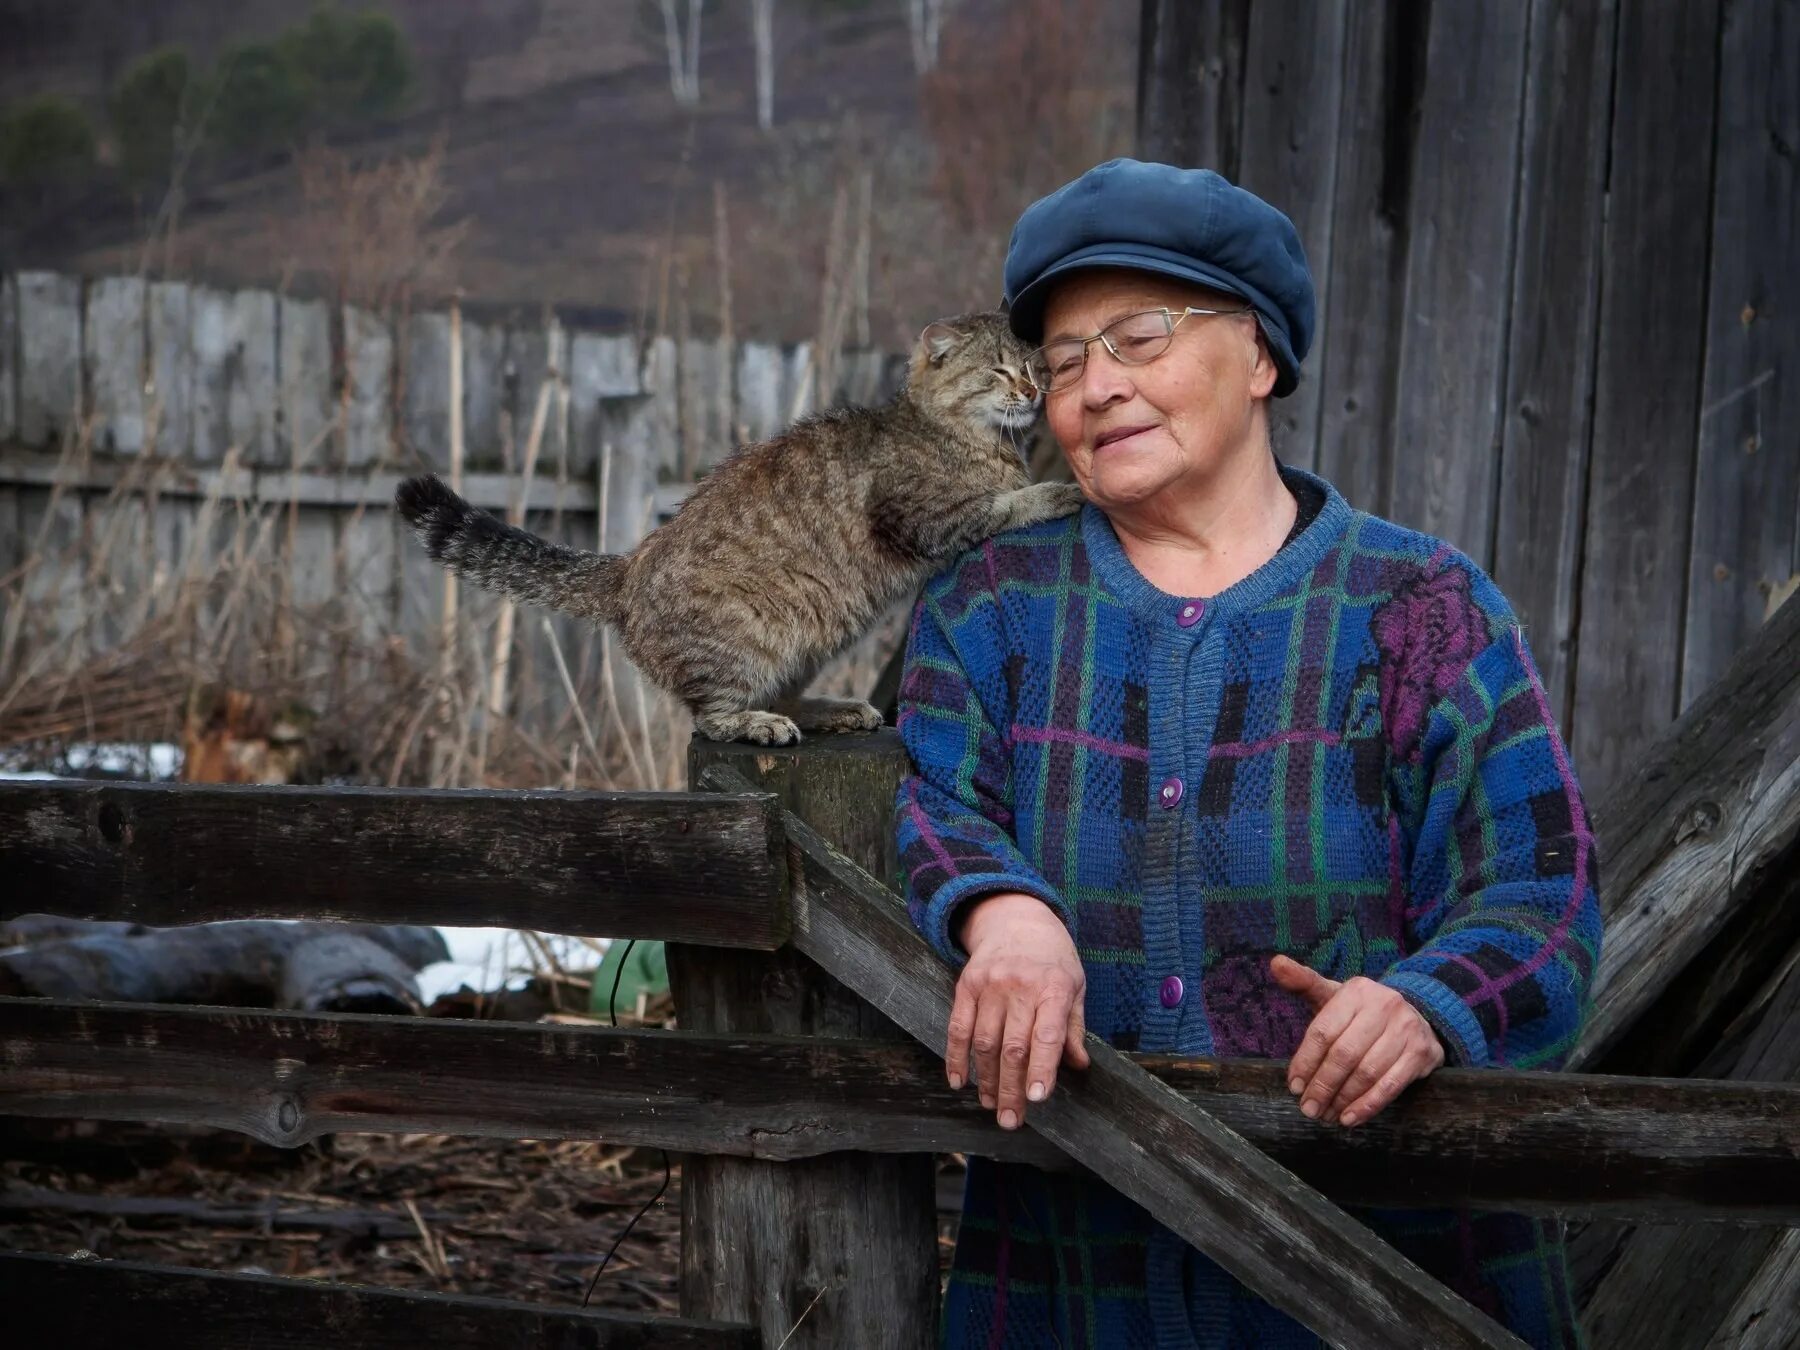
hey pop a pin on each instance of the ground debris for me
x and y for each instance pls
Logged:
(509, 1219)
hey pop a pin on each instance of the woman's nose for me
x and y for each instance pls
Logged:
(1104, 378)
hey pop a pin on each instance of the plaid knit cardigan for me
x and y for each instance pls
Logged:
(1347, 757)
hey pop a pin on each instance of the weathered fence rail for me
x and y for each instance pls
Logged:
(59, 1300)
(1644, 1149)
(696, 867)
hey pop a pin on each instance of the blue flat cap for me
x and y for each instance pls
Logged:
(1190, 224)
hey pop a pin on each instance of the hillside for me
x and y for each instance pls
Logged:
(572, 176)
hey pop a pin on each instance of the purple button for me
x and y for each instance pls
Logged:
(1171, 991)
(1190, 613)
(1170, 792)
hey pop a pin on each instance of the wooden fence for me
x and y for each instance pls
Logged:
(328, 407)
(803, 1085)
(1557, 248)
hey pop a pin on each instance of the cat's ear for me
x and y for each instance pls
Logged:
(940, 339)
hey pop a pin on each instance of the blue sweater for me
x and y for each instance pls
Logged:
(1346, 757)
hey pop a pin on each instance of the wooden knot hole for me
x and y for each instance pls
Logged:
(113, 826)
(1699, 822)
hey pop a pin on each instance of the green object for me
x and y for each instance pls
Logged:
(646, 972)
(260, 102)
(349, 66)
(44, 139)
(149, 107)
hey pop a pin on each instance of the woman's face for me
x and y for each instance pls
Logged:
(1131, 433)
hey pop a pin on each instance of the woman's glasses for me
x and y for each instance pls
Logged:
(1133, 341)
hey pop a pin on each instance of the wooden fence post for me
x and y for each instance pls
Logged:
(837, 1250)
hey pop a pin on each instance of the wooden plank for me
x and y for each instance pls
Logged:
(171, 338)
(9, 358)
(55, 592)
(368, 368)
(1555, 315)
(798, 395)
(600, 367)
(235, 387)
(658, 436)
(1749, 441)
(1699, 829)
(424, 350)
(1383, 64)
(1654, 1150)
(1767, 1314)
(527, 363)
(705, 416)
(631, 864)
(484, 389)
(147, 1211)
(1205, 1182)
(1453, 336)
(372, 488)
(761, 1240)
(49, 377)
(1293, 80)
(1647, 385)
(1669, 1288)
(1191, 82)
(304, 365)
(112, 339)
(69, 1301)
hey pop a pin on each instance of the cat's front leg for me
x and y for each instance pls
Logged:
(1031, 505)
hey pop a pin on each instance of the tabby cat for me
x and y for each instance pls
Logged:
(788, 551)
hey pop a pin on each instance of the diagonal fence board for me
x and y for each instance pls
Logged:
(700, 867)
(1202, 1180)
(1643, 1149)
(1672, 1287)
(1697, 832)
(57, 1300)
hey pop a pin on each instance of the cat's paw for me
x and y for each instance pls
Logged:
(1061, 499)
(849, 715)
(755, 726)
(1046, 501)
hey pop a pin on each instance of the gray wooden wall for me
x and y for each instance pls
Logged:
(1557, 251)
(329, 408)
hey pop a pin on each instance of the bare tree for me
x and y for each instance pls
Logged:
(923, 19)
(684, 50)
(762, 20)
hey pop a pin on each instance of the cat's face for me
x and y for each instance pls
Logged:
(971, 369)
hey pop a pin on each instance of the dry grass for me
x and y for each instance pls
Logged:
(130, 607)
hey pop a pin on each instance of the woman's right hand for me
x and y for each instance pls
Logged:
(1018, 1005)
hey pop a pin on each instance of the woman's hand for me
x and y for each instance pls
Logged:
(1018, 1004)
(1365, 1044)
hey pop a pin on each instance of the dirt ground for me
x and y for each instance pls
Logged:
(523, 1220)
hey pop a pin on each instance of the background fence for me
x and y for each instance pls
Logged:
(326, 406)
(173, 414)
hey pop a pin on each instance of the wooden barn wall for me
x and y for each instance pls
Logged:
(328, 408)
(1558, 267)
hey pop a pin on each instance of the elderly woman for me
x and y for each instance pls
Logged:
(1222, 766)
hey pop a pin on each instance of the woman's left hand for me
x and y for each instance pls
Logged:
(1365, 1044)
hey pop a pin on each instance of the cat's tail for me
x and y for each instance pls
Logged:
(503, 558)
